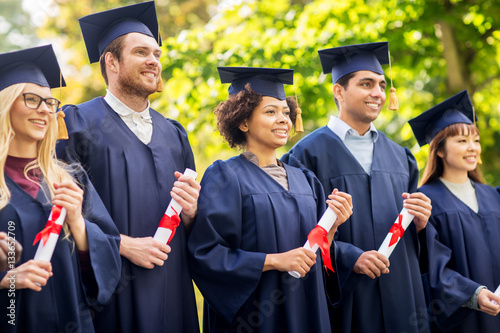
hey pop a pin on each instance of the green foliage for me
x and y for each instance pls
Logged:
(437, 49)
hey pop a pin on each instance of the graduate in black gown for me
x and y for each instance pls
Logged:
(351, 155)
(255, 214)
(133, 156)
(465, 246)
(38, 295)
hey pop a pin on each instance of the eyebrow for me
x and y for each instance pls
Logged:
(276, 106)
(371, 80)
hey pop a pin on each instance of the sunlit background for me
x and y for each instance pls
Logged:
(438, 48)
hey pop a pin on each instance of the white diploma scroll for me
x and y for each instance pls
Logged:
(497, 293)
(326, 222)
(173, 212)
(396, 233)
(52, 228)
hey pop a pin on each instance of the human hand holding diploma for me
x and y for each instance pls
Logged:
(396, 232)
(171, 219)
(50, 234)
(317, 238)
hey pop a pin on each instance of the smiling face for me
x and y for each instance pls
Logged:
(362, 100)
(460, 155)
(139, 69)
(268, 127)
(30, 126)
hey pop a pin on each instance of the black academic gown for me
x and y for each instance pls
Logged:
(63, 304)
(466, 249)
(134, 181)
(394, 302)
(243, 215)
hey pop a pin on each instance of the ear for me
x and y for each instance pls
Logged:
(111, 62)
(244, 126)
(440, 153)
(338, 92)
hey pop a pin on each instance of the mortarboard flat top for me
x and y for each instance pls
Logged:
(344, 60)
(102, 28)
(34, 65)
(456, 109)
(265, 81)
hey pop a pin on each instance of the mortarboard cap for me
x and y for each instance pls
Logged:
(344, 60)
(102, 28)
(34, 65)
(456, 109)
(265, 81)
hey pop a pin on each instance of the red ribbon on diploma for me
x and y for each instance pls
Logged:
(170, 222)
(397, 231)
(318, 236)
(51, 227)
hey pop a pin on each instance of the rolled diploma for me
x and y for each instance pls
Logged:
(385, 249)
(44, 252)
(497, 292)
(326, 222)
(163, 234)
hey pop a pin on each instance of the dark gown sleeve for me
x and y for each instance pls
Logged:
(226, 274)
(77, 147)
(104, 244)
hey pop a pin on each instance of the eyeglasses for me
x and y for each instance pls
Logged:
(33, 101)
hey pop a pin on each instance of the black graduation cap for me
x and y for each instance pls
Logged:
(35, 65)
(265, 81)
(344, 60)
(102, 28)
(456, 109)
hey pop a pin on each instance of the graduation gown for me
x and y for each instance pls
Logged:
(63, 303)
(243, 215)
(466, 249)
(393, 302)
(134, 181)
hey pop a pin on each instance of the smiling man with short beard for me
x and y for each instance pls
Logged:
(133, 156)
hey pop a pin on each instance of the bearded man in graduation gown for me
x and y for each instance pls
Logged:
(132, 155)
(352, 155)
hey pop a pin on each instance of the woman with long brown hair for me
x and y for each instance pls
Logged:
(464, 243)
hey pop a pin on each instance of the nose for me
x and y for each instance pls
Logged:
(378, 92)
(282, 118)
(45, 108)
(152, 60)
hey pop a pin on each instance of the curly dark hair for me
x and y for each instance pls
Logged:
(238, 108)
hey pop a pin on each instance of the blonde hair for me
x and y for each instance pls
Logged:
(53, 171)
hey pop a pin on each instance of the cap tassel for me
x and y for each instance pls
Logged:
(62, 131)
(160, 85)
(393, 99)
(299, 126)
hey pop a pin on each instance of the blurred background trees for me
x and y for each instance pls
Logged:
(438, 48)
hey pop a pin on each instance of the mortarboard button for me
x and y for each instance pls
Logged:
(102, 28)
(265, 81)
(456, 109)
(36, 65)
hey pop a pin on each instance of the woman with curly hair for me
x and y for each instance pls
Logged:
(40, 295)
(254, 215)
(463, 238)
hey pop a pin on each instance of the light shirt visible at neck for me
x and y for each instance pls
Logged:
(465, 192)
(140, 123)
(360, 146)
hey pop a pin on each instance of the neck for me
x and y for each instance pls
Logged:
(457, 177)
(265, 157)
(135, 102)
(358, 126)
(24, 150)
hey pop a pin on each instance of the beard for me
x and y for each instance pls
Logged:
(134, 87)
